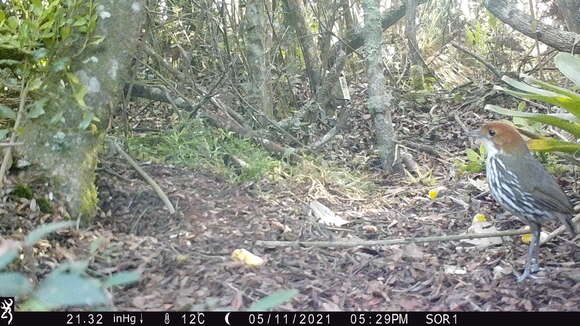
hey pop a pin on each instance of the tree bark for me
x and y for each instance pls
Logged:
(415, 60)
(379, 101)
(507, 13)
(410, 31)
(260, 86)
(312, 61)
(66, 151)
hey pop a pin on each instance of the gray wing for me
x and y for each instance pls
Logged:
(537, 181)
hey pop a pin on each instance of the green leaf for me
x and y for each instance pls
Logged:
(13, 23)
(6, 112)
(562, 101)
(472, 155)
(34, 84)
(46, 26)
(87, 119)
(274, 300)
(43, 230)
(3, 133)
(546, 144)
(556, 89)
(570, 126)
(60, 64)
(36, 109)
(96, 40)
(80, 21)
(14, 285)
(122, 278)
(527, 88)
(39, 54)
(79, 95)
(569, 65)
(66, 290)
(58, 117)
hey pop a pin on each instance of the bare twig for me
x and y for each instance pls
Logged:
(559, 230)
(419, 147)
(478, 58)
(147, 178)
(10, 144)
(349, 244)
(461, 124)
(8, 151)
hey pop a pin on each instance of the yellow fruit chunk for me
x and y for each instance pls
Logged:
(247, 258)
(526, 238)
(479, 218)
(433, 193)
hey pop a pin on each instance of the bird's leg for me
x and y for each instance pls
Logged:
(535, 248)
(532, 265)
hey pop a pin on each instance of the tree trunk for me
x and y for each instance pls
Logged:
(67, 151)
(356, 38)
(379, 101)
(260, 86)
(416, 71)
(509, 14)
(312, 61)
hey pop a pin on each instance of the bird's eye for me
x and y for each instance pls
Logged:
(491, 132)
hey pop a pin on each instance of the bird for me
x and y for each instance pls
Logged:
(522, 185)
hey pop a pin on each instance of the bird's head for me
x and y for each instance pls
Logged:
(498, 137)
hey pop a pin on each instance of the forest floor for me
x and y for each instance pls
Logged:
(185, 258)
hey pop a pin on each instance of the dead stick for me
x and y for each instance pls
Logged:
(559, 230)
(8, 151)
(349, 244)
(10, 144)
(147, 178)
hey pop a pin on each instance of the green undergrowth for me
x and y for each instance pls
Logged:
(196, 145)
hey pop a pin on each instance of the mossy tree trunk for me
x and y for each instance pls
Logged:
(67, 151)
(380, 100)
(259, 88)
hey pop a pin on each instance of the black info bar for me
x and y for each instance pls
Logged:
(119, 318)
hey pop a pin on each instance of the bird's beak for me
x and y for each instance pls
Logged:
(474, 134)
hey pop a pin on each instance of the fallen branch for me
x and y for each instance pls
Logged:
(145, 176)
(560, 230)
(420, 147)
(10, 144)
(350, 244)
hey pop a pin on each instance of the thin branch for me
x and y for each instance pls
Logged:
(10, 144)
(147, 178)
(560, 230)
(420, 147)
(8, 151)
(478, 58)
(350, 244)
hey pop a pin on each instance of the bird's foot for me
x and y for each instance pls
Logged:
(528, 272)
(534, 267)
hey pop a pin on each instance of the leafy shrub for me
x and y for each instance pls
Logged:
(567, 99)
(67, 285)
